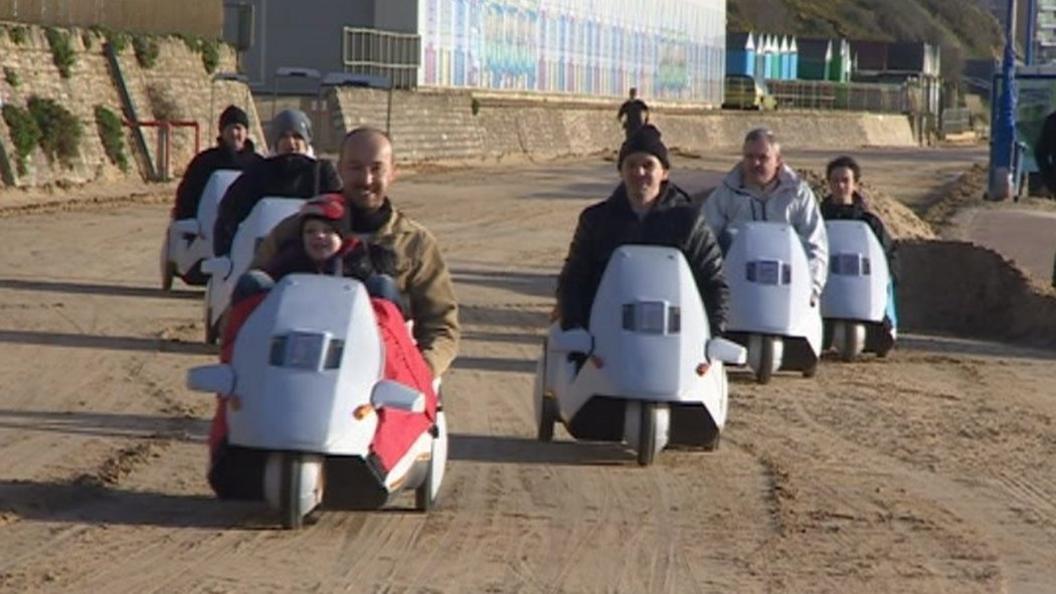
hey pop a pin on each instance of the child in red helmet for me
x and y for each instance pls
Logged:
(325, 247)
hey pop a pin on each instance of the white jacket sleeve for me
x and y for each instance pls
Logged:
(811, 229)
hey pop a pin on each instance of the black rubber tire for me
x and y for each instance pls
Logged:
(850, 338)
(168, 274)
(812, 369)
(766, 360)
(423, 495)
(292, 514)
(547, 419)
(647, 434)
(713, 445)
(212, 331)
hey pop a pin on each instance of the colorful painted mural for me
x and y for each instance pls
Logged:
(670, 49)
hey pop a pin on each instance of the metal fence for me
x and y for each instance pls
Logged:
(955, 120)
(806, 94)
(198, 17)
(385, 55)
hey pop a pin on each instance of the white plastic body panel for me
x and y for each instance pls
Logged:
(770, 285)
(268, 213)
(858, 274)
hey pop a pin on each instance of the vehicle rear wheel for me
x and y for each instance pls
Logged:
(647, 434)
(766, 360)
(547, 419)
(849, 338)
(292, 505)
(168, 274)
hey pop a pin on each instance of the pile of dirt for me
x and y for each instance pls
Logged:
(964, 192)
(969, 290)
(901, 222)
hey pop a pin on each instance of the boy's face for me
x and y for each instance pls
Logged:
(842, 184)
(320, 240)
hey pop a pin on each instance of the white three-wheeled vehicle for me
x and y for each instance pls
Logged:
(859, 293)
(305, 384)
(770, 310)
(224, 271)
(648, 372)
(189, 242)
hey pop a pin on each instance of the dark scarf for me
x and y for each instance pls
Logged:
(366, 221)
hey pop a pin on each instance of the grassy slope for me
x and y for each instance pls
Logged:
(962, 28)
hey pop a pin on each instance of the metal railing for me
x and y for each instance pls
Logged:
(805, 94)
(386, 56)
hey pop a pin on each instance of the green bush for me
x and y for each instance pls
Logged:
(210, 55)
(193, 43)
(112, 134)
(117, 40)
(61, 50)
(208, 48)
(11, 76)
(60, 130)
(19, 34)
(25, 134)
(146, 48)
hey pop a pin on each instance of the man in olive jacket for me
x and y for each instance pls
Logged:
(646, 208)
(366, 167)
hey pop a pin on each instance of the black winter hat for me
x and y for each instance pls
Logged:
(645, 140)
(233, 115)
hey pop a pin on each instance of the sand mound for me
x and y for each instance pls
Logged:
(901, 222)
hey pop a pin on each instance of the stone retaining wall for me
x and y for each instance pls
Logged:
(461, 126)
(178, 79)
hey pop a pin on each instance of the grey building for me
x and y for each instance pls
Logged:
(273, 34)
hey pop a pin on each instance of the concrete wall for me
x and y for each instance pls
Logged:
(305, 33)
(198, 17)
(441, 126)
(178, 82)
(396, 15)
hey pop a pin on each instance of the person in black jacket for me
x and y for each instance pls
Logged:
(634, 113)
(293, 172)
(234, 150)
(646, 208)
(1045, 153)
(845, 202)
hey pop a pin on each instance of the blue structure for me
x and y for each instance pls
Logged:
(740, 54)
(1004, 174)
(786, 60)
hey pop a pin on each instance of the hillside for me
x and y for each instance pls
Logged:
(963, 29)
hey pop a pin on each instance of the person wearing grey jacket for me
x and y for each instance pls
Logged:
(762, 188)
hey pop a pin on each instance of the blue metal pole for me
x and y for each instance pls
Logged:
(1004, 128)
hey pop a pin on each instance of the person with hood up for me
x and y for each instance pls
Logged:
(762, 188)
(234, 150)
(293, 172)
(645, 208)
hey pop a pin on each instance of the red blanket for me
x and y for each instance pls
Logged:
(397, 429)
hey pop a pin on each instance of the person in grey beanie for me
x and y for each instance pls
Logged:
(293, 171)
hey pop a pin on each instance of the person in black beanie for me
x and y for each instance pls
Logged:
(234, 150)
(645, 208)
